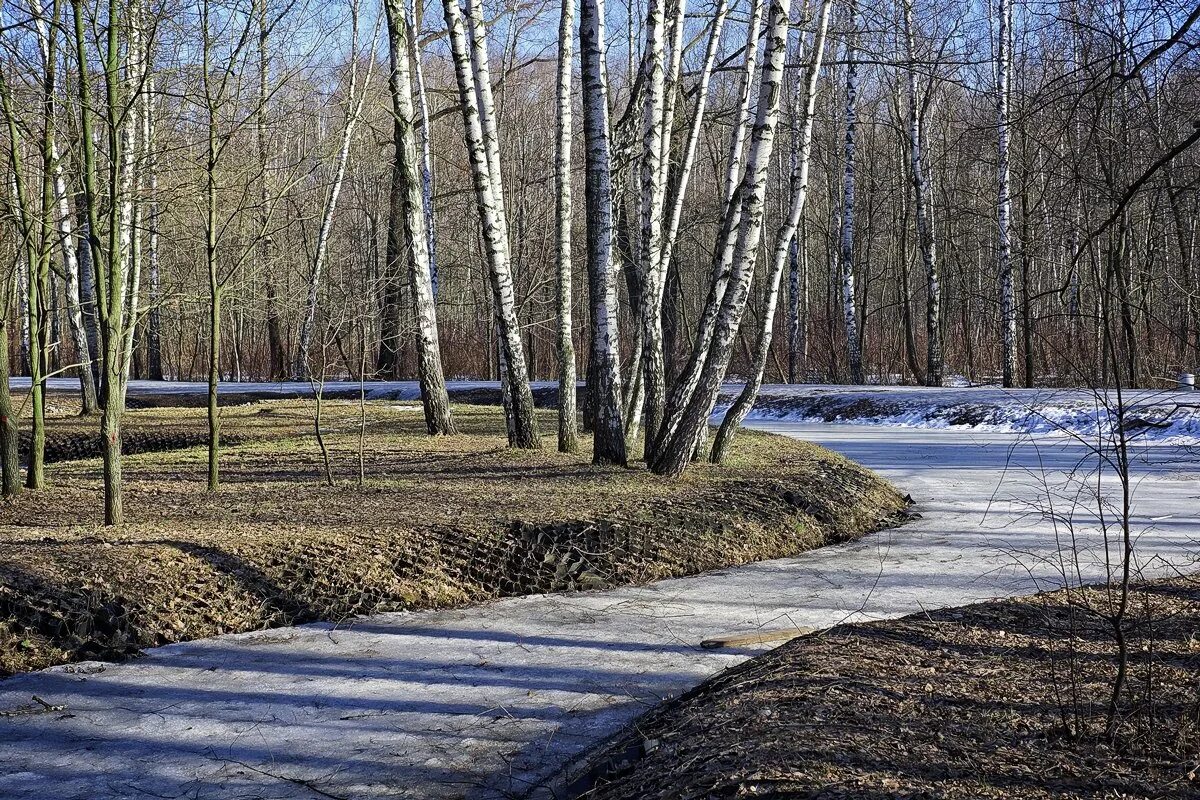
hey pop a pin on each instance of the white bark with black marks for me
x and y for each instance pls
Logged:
(783, 245)
(489, 200)
(677, 448)
(430, 376)
(567, 423)
(1008, 303)
(607, 425)
(846, 242)
(925, 235)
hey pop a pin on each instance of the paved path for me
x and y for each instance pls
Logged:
(490, 701)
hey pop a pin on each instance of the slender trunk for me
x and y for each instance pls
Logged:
(846, 255)
(677, 449)
(727, 237)
(154, 317)
(567, 425)
(354, 106)
(925, 236)
(608, 426)
(489, 200)
(434, 399)
(426, 148)
(1008, 306)
(783, 246)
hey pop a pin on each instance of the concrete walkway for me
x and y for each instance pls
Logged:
(492, 701)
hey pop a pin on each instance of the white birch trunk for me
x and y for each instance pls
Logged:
(682, 438)
(651, 209)
(426, 147)
(783, 245)
(1008, 304)
(608, 427)
(567, 423)
(489, 199)
(354, 106)
(723, 252)
(64, 225)
(430, 376)
(846, 244)
(925, 236)
(154, 316)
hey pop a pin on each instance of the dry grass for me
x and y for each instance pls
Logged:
(1002, 700)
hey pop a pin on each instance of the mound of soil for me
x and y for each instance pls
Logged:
(444, 521)
(75, 446)
(1000, 700)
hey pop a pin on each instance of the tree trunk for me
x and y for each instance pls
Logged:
(925, 235)
(10, 465)
(846, 256)
(783, 246)
(354, 108)
(608, 426)
(567, 424)
(723, 252)
(474, 84)
(434, 399)
(677, 449)
(1008, 306)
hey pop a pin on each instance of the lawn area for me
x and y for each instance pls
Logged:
(434, 522)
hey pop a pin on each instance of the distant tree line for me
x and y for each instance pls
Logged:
(651, 196)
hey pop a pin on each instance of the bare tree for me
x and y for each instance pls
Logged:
(608, 427)
(925, 235)
(846, 245)
(567, 422)
(783, 245)
(434, 400)
(1008, 303)
(474, 86)
(355, 97)
(683, 435)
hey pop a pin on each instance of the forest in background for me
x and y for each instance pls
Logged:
(914, 191)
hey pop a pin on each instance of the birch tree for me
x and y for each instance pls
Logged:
(651, 204)
(724, 250)
(925, 236)
(434, 399)
(567, 423)
(783, 244)
(608, 428)
(474, 86)
(354, 106)
(1008, 304)
(682, 437)
(846, 245)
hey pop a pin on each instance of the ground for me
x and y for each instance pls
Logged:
(998, 700)
(435, 522)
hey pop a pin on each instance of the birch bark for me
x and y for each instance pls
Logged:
(723, 253)
(1008, 305)
(567, 424)
(354, 106)
(434, 399)
(607, 425)
(846, 255)
(783, 245)
(489, 199)
(925, 236)
(676, 450)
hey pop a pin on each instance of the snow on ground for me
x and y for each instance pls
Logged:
(1150, 415)
(492, 701)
